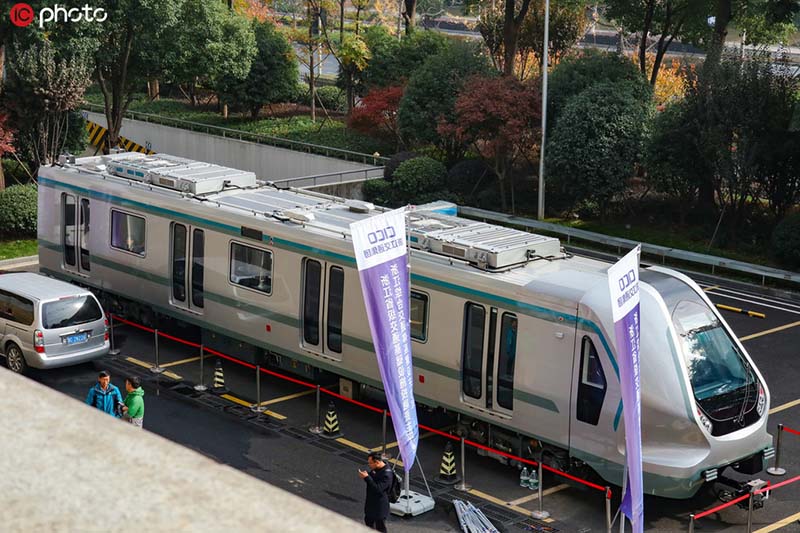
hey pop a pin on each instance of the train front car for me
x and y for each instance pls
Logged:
(704, 402)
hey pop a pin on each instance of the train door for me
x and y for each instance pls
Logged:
(75, 233)
(187, 256)
(488, 358)
(322, 308)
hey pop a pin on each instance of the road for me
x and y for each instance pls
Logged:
(277, 447)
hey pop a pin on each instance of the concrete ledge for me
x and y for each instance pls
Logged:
(19, 261)
(67, 467)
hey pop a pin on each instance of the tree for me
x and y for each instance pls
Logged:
(581, 71)
(597, 143)
(500, 119)
(273, 73)
(432, 91)
(43, 86)
(377, 113)
(353, 55)
(6, 144)
(214, 43)
(512, 21)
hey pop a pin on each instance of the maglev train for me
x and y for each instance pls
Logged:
(510, 334)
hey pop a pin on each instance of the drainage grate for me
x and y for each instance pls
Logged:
(498, 515)
(297, 433)
(537, 527)
(212, 401)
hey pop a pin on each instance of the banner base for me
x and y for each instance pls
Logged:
(412, 503)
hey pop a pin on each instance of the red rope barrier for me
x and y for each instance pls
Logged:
(377, 410)
(790, 430)
(777, 485)
(176, 339)
(145, 328)
(721, 507)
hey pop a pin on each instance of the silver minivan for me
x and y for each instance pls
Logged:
(46, 323)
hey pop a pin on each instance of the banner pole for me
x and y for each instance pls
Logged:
(383, 450)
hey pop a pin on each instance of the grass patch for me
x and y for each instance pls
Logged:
(19, 248)
(331, 132)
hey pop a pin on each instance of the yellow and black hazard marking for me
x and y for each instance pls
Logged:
(447, 471)
(219, 378)
(98, 136)
(331, 429)
(753, 314)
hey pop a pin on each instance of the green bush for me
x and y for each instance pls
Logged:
(18, 208)
(786, 241)
(379, 192)
(469, 177)
(418, 176)
(332, 98)
(15, 173)
(395, 161)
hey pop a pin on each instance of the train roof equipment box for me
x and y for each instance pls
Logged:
(185, 175)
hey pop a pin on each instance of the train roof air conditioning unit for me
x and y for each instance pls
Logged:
(185, 175)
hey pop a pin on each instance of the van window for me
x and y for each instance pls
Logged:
(251, 267)
(419, 316)
(84, 235)
(69, 312)
(16, 308)
(68, 225)
(127, 232)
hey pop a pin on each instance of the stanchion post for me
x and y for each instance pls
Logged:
(463, 486)
(540, 514)
(257, 407)
(608, 510)
(201, 387)
(316, 429)
(156, 369)
(691, 523)
(113, 350)
(383, 450)
(750, 512)
(777, 470)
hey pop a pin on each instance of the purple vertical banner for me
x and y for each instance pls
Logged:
(380, 247)
(623, 283)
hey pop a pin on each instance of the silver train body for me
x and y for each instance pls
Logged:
(270, 274)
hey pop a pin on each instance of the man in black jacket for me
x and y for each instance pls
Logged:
(379, 481)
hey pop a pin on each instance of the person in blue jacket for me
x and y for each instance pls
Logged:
(105, 396)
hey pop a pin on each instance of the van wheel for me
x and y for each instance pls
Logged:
(15, 360)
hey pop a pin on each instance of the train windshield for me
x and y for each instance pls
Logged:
(715, 364)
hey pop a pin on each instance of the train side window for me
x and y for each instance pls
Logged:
(592, 387)
(178, 262)
(505, 365)
(472, 352)
(419, 316)
(127, 232)
(312, 283)
(198, 257)
(68, 224)
(251, 267)
(84, 235)
(335, 309)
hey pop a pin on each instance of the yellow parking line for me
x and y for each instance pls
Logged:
(138, 362)
(352, 444)
(535, 495)
(288, 397)
(711, 288)
(182, 361)
(784, 406)
(780, 524)
(767, 332)
(498, 501)
(172, 375)
(243, 403)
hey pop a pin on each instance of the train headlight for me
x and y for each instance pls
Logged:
(762, 400)
(705, 421)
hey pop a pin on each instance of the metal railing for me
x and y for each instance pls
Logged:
(332, 178)
(260, 138)
(662, 252)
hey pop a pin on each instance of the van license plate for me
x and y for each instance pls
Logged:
(78, 338)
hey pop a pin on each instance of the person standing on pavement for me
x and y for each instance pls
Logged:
(379, 481)
(105, 396)
(133, 410)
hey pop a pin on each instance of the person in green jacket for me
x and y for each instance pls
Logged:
(133, 410)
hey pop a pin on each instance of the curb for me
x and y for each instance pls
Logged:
(19, 261)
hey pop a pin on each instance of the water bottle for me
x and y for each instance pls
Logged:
(524, 477)
(533, 480)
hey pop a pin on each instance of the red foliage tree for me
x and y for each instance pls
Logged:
(6, 143)
(377, 113)
(501, 119)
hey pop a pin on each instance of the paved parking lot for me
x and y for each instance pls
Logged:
(276, 446)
